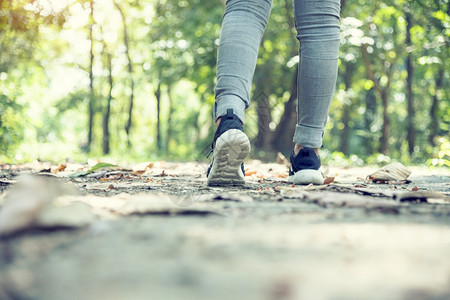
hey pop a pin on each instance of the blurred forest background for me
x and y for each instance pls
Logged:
(134, 80)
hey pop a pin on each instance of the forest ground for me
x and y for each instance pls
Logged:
(156, 231)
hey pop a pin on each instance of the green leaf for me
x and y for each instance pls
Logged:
(97, 167)
(101, 166)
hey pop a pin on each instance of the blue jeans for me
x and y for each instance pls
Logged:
(317, 24)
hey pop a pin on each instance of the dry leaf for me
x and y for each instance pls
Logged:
(392, 172)
(138, 173)
(248, 173)
(360, 185)
(61, 168)
(328, 180)
(106, 179)
(27, 200)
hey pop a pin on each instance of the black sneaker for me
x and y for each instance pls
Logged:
(230, 147)
(305, 167)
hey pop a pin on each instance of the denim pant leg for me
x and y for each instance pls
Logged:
(317, 24)
(243, 26)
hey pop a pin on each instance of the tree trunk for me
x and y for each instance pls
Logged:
(264, 137)
(347, 107)
(158, 116)
(411, 130)
(369, 118)
(434, 124)
(130, 75)
(169, 118)
(279, 139)
(384, 94)
(345, 133)
(384, 143)
(91, 82)
(107, 111)
(282, 137)
(282, 140)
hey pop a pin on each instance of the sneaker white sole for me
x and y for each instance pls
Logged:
(232, 147)
(307, 177)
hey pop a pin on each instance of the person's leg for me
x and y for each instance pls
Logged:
(317, 24)
(243, 26)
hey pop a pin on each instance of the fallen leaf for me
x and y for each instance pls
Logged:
(101, 166)
(106, 179)
(392, 172)
(27, 200)
(360, 185)
(415, 188)
(328, 180)
(61, 168)
(138, 173)
(249, 173)
(97, 167)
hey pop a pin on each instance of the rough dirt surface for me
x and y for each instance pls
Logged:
(156, 231)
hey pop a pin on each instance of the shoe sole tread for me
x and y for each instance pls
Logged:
(232, 147)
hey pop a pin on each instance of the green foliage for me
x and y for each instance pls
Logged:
(172, 45)
(11, 125)
(442, 156)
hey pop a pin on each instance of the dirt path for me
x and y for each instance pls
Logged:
(157, 232)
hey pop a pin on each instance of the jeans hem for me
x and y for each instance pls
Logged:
(308, 136)
(226, 102)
